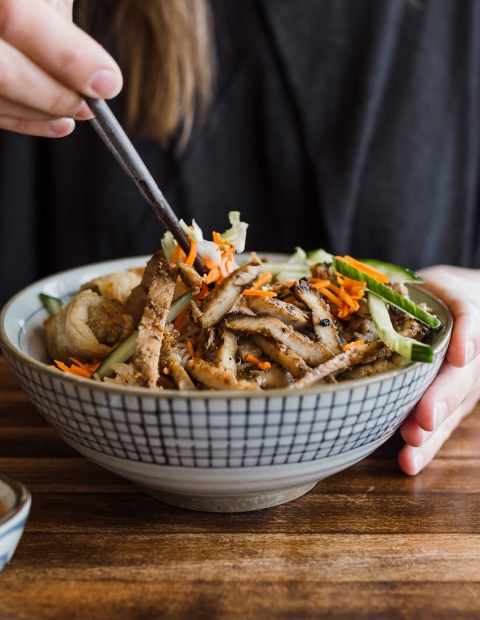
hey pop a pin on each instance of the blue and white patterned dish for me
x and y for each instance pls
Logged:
(15, 502)
(210, 450)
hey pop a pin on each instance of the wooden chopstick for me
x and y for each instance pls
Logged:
(118, 143)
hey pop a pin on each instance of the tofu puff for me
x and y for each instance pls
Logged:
(87, 328)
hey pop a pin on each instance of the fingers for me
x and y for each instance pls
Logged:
(24, 83)
(449, 389)
(413, 459)
(61, 50)
(63, 7)
(15, 110)
(448, 283)
(53, 129)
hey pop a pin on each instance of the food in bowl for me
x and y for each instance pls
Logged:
(313, 319)
(216, 450)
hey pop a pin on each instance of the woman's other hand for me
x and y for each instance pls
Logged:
(456, 389)
(45, 62)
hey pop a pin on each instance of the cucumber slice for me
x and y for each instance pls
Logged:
(119, 355)
(386, 293)
(178, 305)
(51, 304)
(409, 348)
(394, 273)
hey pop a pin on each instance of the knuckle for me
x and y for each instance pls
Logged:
(19, 125)
(71, 59)
(64, 103)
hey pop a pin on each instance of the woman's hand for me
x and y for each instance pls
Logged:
(456, 389)
(45, 62)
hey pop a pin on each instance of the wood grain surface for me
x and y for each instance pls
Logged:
(368, 543)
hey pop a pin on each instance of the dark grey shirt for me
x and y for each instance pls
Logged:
(352, 125)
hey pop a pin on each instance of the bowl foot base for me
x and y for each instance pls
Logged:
(226, 503)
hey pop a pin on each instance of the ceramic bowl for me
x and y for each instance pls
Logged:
(216, 451)
(15, 503)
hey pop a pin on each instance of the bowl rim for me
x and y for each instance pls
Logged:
(22, 497)
(125, 390)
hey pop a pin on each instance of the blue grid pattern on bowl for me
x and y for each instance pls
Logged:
(245, 431)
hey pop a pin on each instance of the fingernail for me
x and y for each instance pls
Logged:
(106, 83)
(469, 352)
(83, 113)
(62, 127)
(418, 462)
(440, 413)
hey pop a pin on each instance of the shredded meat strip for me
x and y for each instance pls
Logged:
(220, 301)
(169, 360)
(151, 329)
(314, 353)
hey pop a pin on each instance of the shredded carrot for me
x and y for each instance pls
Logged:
(348, 283)
(370, 271)
(209, 264)
(342, 294)
(78, 368)
(252, 291)
(179, 320)
(213, 275)
(190, 348)
(266, 277)
(203, 293)
(317, 283)
(289, 299)
(352, 345)
(230, 263)
(192, 253)
(257, 362)
(290, 283)
(91, 368)
(176, 254)
(333, 298)
(217, 238)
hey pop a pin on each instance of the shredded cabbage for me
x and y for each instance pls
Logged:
(299, 256)
(168, 245)
(237, 234)
(207, 249)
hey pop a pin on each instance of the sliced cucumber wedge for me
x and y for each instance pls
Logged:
(409, 348)
(386, 293)
(178, 305)
(119, 355)
(51, 304)
(394, 273)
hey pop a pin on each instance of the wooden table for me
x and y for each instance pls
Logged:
(368, 543)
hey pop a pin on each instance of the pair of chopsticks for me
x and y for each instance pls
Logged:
(111, 132)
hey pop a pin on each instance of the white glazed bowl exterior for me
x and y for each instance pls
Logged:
(16, 499)
(209, 443)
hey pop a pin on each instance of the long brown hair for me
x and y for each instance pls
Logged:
(165, 49)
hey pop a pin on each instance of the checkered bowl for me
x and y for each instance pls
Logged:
(217, 451)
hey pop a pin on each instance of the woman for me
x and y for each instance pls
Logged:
(352, 125)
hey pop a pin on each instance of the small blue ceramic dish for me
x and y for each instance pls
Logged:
(15, 504)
